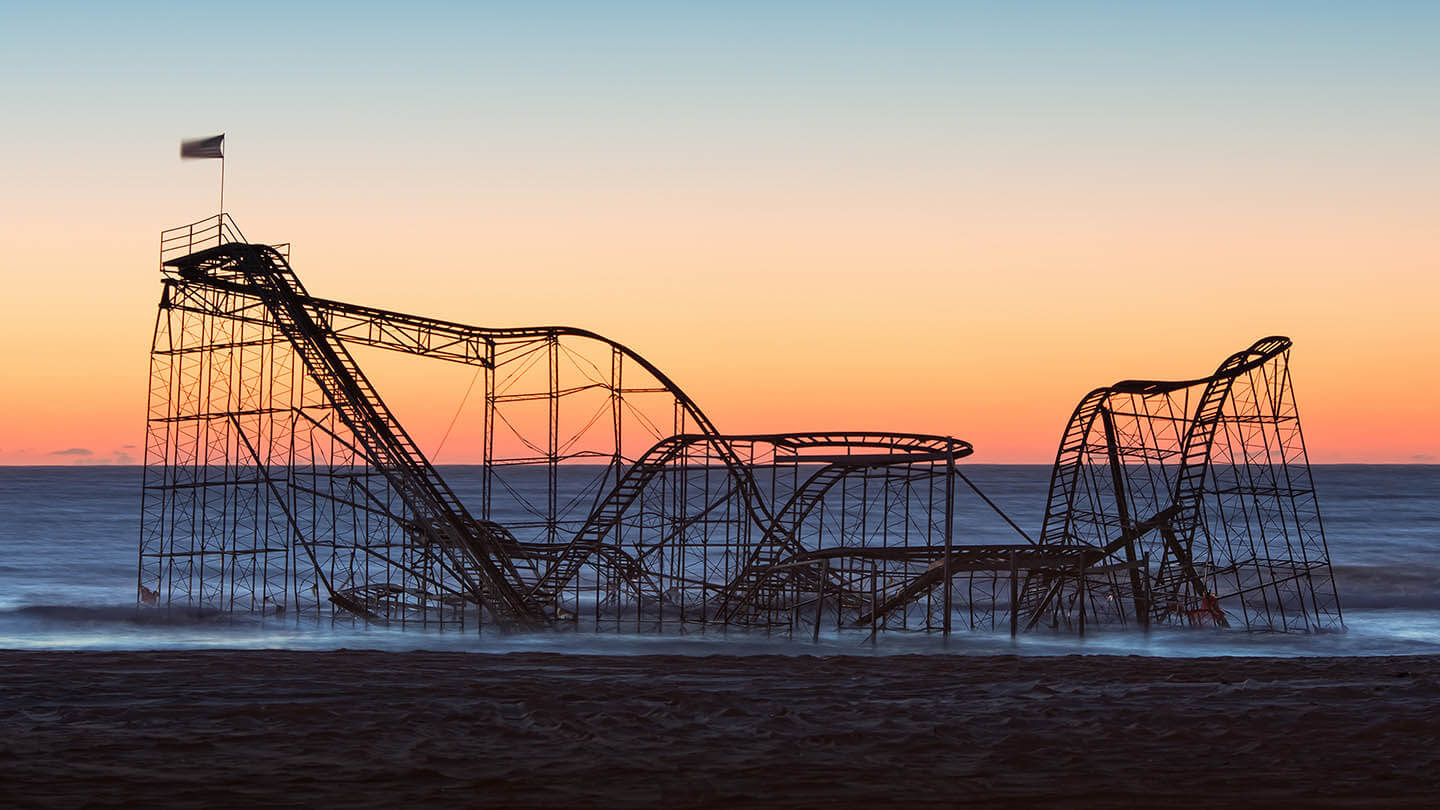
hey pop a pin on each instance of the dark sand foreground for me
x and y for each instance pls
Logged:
(371, 729)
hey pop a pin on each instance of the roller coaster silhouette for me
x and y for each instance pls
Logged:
(277, 481)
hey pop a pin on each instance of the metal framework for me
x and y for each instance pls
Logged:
(277, 481)
(1192, 502)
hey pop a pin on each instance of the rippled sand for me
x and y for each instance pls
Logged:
(372, 729)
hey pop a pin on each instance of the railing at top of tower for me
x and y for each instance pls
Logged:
(209, 232)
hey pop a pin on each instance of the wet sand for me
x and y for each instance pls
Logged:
(374, 729)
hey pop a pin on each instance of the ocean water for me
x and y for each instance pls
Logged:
(69, 540)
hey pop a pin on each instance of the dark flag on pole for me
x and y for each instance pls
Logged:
(203, 147)
(213, 147)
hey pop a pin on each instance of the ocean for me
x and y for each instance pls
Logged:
(69, 539)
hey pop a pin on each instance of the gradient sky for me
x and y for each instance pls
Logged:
(951, 218)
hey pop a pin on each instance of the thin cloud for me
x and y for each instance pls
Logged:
(74, 451)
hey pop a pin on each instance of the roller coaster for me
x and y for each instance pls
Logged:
(278, 483)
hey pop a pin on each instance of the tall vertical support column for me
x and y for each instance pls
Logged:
(552, 460)
(487, 471)
(1122, 507)
(155, 492)
(949, 528)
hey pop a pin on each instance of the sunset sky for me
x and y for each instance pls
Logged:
(932, 217)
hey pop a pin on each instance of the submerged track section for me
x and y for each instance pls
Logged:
(278, 482)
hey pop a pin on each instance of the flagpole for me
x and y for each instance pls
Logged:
(209, 148)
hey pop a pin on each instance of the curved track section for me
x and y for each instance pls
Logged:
(1193, 503)
(279, 481)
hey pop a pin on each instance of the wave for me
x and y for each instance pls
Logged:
(121, 614)
(1380, 587)
(1360, 587)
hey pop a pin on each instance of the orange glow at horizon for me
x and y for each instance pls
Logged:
(815, 325)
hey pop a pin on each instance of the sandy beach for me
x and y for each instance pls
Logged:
(369, 729)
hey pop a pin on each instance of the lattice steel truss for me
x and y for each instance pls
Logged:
(1193, 504)
(278, 482)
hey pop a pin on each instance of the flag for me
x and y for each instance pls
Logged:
(203, 147)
